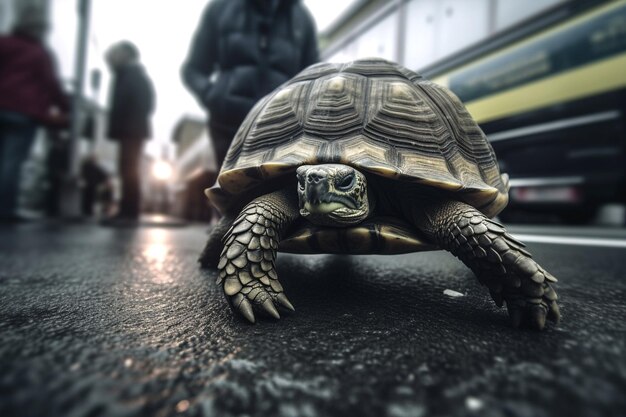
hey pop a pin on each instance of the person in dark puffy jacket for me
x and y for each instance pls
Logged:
(132, 103)
(30, 96)
(242, 50)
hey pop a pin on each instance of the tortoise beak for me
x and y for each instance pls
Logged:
(317, 192)
(318, 195)
(316, 186)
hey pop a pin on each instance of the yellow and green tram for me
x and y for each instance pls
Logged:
(551, 96)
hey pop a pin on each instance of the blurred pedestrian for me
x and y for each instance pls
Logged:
(30, 96)
(132, 103)
(242, 50)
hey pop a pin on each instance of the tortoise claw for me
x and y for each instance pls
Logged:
(245, 308)
(284, 301)
(270, 309)
(532, 316)
(245, 299)
(538, 317)
(554, 313)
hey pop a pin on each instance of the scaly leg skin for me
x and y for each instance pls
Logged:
(499, 261)
(211, 254)
(246, 266)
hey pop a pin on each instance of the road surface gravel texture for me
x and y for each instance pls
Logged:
(121, 322)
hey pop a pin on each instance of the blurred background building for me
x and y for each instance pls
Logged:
(546, 80)
(195, 168)
(109, 22)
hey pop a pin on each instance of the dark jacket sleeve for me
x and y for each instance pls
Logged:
(141, 100)
(51, 79)
(202, 56)
(310, 52)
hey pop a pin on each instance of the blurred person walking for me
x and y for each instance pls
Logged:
(243, 50)
(31, 95)
(131, 105)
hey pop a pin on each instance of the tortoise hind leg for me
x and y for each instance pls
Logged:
(246, 265)
(498, 260)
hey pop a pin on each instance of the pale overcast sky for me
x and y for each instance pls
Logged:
(162, 30)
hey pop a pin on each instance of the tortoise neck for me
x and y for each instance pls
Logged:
(400, 199)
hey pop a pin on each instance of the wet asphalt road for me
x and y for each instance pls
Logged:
(114, 322)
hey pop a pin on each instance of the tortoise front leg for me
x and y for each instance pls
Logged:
(246, 266)
(211, 254)
(499, 261)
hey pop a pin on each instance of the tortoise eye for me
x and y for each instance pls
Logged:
(346, 182)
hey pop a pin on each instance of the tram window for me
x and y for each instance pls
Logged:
(436, 29)
(510, 12)
(380, 40)
(462, 24)
(419, 45)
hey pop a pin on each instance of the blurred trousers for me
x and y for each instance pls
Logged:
(129, 165)
(17, 134)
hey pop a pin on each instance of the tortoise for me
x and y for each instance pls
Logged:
(359, 158)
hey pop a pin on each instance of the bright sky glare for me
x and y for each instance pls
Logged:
(162, 30)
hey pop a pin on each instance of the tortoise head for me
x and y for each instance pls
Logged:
(332, 194)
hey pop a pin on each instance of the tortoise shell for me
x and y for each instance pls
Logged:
(374, 115)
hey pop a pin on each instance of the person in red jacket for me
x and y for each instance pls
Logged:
(30, 95)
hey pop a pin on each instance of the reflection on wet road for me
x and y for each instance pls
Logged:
(98, 322)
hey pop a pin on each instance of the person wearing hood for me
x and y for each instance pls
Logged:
(131, 106)
(243, 50)
(31, 96)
